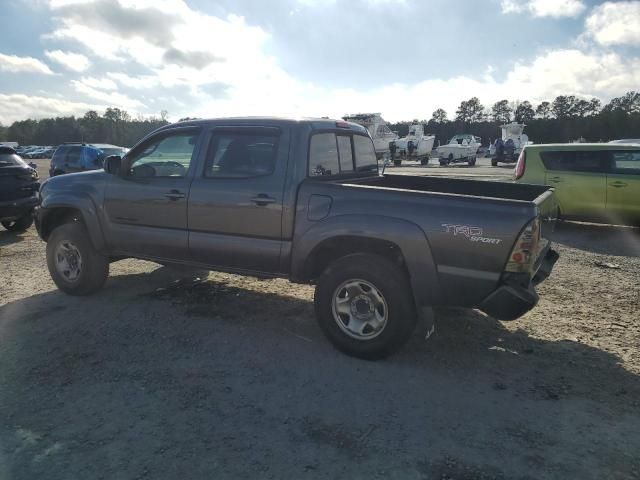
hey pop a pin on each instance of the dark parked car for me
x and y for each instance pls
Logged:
(18, 191)
(304, 199)
(78, 157)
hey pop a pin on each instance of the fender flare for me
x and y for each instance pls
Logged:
(84, 205)
(409, 237)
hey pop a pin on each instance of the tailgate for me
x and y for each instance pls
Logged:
(547, 211)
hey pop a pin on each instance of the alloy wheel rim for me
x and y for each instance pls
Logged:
(68, 261)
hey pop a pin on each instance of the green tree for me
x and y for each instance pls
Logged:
(564, 106)
(501, 111)
(543, 110)
(628, 103)
(469, 110)
(439, 116)
(524, 112)
(594, 106)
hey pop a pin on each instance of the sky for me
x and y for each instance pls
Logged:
(309, 58)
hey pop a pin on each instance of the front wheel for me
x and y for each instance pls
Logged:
(424, 161)
(494, 163)
(364, 306)
(472, 161)
(74, 265)
(19, 225)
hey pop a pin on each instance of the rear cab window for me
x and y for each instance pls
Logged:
(341, 153)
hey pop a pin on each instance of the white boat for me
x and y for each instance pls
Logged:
(415, 145)
(378, 129)
(461, 148)
(513, 140)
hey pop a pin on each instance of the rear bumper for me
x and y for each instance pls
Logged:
(516, 297)
(14, 209)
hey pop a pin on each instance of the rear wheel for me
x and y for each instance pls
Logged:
(472, 161)
(494, 162)
(397, 162)
(424, 161)
(74, 265)
(364, 306)
(19, 225)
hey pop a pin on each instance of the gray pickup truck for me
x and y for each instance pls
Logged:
(304, 199)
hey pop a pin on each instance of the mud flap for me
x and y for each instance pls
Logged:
(427, 318)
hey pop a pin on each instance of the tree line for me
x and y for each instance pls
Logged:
(565, 119)
(115, 126)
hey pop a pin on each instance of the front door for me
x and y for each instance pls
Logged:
(235, 205)
(579, 179)
(146, 205)
(623, 188)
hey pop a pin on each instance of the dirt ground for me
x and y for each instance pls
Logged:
(165, 376)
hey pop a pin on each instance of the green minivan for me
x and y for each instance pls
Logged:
(598, 182)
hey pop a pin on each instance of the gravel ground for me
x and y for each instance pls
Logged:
(163, 375)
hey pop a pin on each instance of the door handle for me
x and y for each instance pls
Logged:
(618, 184)
(263, 199)
(555, 180)
(174, 195)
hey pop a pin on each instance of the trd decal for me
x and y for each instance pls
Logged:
(474, 234)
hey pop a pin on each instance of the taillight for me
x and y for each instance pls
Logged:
(521, 165)
(525, 251)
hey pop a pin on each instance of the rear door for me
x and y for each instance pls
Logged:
(146, 205)
(623, 187)
(236, 199)
(579, 179)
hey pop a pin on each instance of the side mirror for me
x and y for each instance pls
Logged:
(112, 164)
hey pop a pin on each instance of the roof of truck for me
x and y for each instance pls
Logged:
(323, 122)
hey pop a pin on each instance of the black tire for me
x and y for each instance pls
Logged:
(424, 161)
(390, 281)
(94, 266)
(472, 161)
(443, 163)
(397, 162)
(19, 225)
(494, 162)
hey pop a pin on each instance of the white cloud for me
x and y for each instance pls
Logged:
(18, 107)
(15, 64)
(100, 83)
(72, 61)
(544, 8)
(108, 98)
(615, 23)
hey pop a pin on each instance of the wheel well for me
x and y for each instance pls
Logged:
(57, 217)
(334, 248)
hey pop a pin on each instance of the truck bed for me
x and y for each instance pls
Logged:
(474, 188)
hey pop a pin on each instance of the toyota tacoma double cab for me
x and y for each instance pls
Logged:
(304, 200)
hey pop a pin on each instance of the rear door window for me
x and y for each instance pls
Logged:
(590, 161)
(323, 155)
(241, 155)
(626, 162)
(59, 155)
